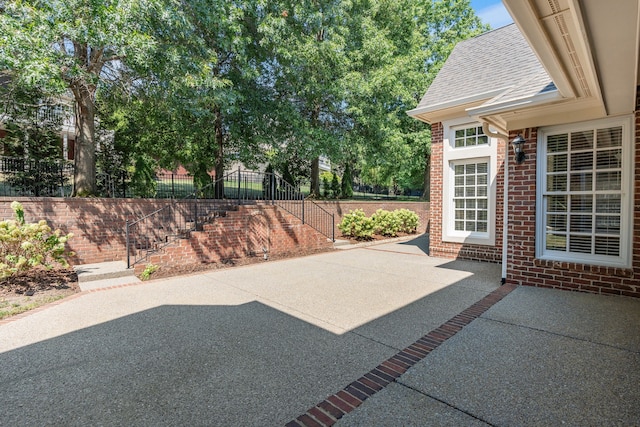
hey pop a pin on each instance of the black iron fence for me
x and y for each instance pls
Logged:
(181, 217)
(39, 178)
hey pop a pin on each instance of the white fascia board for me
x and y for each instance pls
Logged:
(454, 103)
(515, 104)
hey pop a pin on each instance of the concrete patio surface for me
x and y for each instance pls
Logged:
(260, 345)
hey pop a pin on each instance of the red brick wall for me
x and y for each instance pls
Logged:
(439, 248)
(244, 233)
(522, 266)
(99, 226)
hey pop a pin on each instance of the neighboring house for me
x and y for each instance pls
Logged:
(565, 79)
(62, 111)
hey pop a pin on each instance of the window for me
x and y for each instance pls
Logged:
(584, 211)
(470, 197)
(470, 136)
(468, 183)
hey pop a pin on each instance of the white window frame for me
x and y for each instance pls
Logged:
(452, 155)
(624, 259)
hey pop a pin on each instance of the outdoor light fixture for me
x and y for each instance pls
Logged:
(518, 148)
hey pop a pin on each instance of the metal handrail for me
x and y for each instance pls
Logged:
(178, 219)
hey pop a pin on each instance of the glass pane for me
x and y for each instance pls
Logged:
(581, 223)
(607, 246)
(482, 227)
(581, 181)
(459, 204)
(582, 203)
(471, 141)
(609, 159)
(581, 161)
(471, 215)
(482, 215)
(482, 139)
(470, 192)
(471, 204)
(482, 191)
(608, 224)
(557, 203)
(608, 203)
(470, 168)
(580, 244)
(611, 137)
(459, 214)
(471, 131)
(582, 140)
(557, 143)
(459, 192)
(482, 180)
(556, 242)
(557, 183)
(470, 226)
(460, 133)
(470, 180)
(557, 163)
(556, 223)
(459, 225)
(459, 142)
(483, 204)
(459, 169)
(459, 180)
(483, 168)
(608, 181)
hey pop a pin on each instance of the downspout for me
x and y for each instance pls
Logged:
(505, 203)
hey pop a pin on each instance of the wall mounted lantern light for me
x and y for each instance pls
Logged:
(518, 148)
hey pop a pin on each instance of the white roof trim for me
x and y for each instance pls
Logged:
(514, 104)
(456, 102)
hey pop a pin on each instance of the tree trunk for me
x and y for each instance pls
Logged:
(315, 177)
(85, 152)
(427, 179)
(219, 159)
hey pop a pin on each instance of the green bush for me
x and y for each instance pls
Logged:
(357, 225)
(386, 223)
(408, 220)
(335, 186)
(24, 246)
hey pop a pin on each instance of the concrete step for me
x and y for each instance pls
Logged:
(102, 271)
(104, 275)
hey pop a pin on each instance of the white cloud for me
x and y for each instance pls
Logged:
(496, 15)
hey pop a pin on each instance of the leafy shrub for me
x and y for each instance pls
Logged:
(407, 219)
(356, 224)
(24, 246)
(386, 223)
(335, 186)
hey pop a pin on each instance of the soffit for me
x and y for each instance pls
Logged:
(588, 47)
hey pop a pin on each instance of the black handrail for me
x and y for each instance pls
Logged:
(178, 219)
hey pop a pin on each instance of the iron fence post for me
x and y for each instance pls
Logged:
(333, 228)
(302, 195)
(195, 209)
(239, 179)
(128, 253)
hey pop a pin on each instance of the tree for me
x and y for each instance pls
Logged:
(396, 48)
(78, 45)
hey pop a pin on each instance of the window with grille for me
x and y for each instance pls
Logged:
(470, 136)
(585, 195)
(470, 196)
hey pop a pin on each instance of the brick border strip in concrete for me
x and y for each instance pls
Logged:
(334, 407)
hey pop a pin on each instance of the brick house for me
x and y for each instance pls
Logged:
(564, 80)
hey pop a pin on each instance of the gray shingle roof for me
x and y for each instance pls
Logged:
(498, 62)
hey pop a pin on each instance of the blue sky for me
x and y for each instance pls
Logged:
(492, 12)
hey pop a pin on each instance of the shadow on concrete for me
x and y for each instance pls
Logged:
(422, 242)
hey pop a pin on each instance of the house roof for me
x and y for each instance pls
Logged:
(562, 61)
(498, 66)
